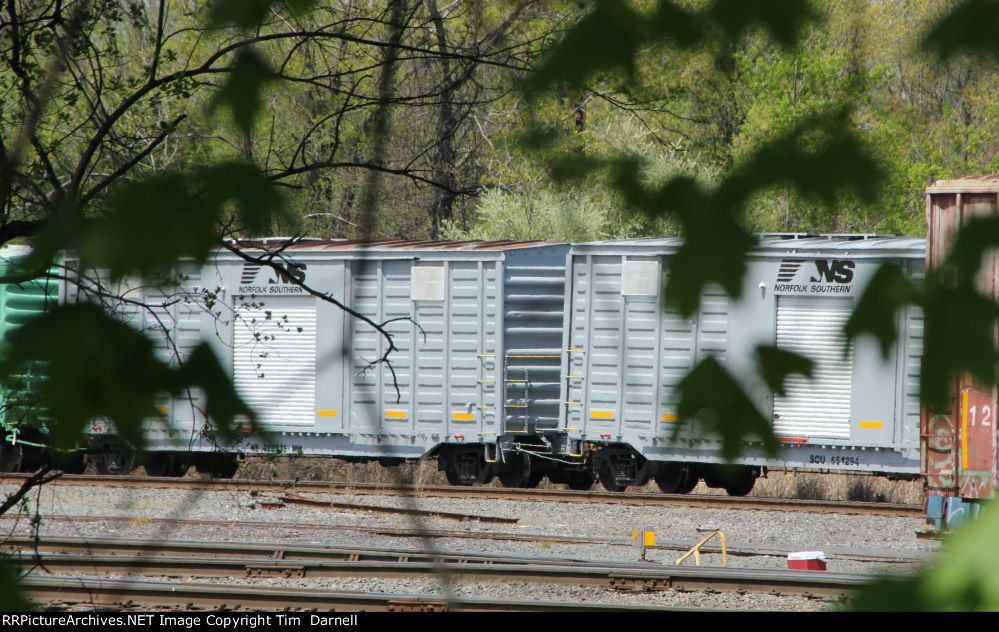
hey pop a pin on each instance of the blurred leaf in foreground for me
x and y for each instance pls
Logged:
(962, 580)
(876, 311)
(241, 92)
(776, 364)
(970, 29)
(101, 368)
(710, 395)
(162, 218)
(11, 600)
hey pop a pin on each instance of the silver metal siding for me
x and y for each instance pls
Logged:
(274, 359)
(534, 284)
(818, 407)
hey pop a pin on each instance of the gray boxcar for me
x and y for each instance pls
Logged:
(477, 328)
(626, 354)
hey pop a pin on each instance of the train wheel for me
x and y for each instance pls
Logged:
(741, 487)
(454, 479)
(158, 464)
(165, 464)
(11, 456)
(580, 481)
(225, 466)
(115, 461)
(69, 462)
(533, 480)
(688, 485)
(517, 472)
(672, 478)
(609, 480)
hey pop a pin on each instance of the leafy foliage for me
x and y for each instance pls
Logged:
(102, 368)
(12, 600)
(968, 29)
(241, 94)
(713, 397)
(154, 222)
(611, 35)
(889, 290)
(962, 580)
(776, 364)
(250, 13)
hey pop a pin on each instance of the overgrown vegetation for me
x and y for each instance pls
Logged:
(138, 133)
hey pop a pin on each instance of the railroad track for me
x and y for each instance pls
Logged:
(397, 532)
(56, 591)
(204, 559)
(443, 491)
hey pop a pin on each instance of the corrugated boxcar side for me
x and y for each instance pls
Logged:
(627, 354)
(445, 366)
(533, 345)
(20, 302)
(170, 313)
(960, 443)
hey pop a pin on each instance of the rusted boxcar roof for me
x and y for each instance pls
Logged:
(970, 184)
(312, 244)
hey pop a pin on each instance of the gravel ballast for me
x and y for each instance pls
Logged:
(838, 535)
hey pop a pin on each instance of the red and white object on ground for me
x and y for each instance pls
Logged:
(807, 561)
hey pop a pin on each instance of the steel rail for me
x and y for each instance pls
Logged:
(397, 532)
(146, 594)
(618, 577)
(444, 491)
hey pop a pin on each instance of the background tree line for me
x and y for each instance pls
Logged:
(136, 133)
(140, 93)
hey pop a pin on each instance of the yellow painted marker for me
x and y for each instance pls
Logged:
(463, 416)
(872, 425)
(396, 414)
(668, 418)
(326, 413)
(964, 430)
(601, 414)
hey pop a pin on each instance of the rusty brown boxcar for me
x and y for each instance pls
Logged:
(959, 443)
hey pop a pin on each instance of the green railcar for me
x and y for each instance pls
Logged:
(23, 424)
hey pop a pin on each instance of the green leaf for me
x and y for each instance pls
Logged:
(822, 158)
(963, 579)
(222, 404)
(714, 251)
(784, 19)
(152, 223)
(241, 92)
(959, 335)
(876, 311)
(970, 29)
(258, 202)
(12, 600)
(607, 38)
(976, 238)
(776, 364)
(710, 395)
(162, 218)
(98, 367)
(251, 13)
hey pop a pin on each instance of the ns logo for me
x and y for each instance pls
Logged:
(288, 273)
(833, 271)
(826, 270)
